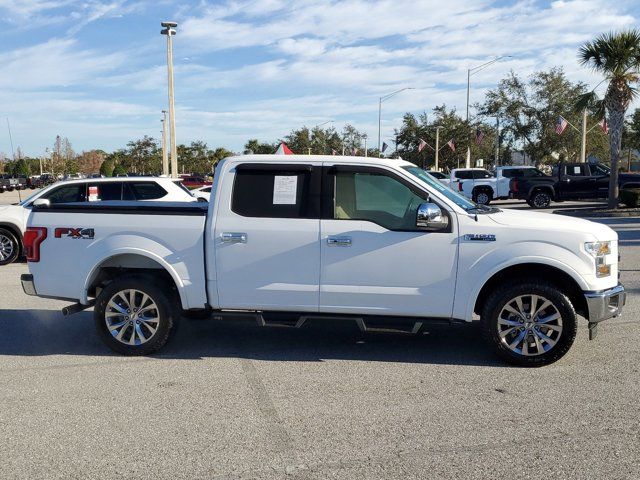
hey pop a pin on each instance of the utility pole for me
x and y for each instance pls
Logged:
(365, 145)
(169, 31)
(165, 153)
(436, 167)
(583, 151)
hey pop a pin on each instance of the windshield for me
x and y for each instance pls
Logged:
(30, 198)
(456, 198)
(182, 187)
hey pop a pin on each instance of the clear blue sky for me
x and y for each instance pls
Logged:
(95, 70)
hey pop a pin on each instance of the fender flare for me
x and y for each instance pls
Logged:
(549, 262)
(133, 251)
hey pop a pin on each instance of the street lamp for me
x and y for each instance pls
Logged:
(169, 31)
(382, 99)
(165, 154)
(472, 71)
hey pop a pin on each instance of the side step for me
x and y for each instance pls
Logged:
(268, 319)
(388, 326)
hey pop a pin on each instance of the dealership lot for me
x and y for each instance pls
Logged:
(231, 400)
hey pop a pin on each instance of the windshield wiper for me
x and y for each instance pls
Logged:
(483, 209)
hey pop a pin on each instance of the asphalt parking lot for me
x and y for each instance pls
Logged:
(230, 400)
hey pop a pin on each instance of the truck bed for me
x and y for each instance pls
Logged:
(148, 235)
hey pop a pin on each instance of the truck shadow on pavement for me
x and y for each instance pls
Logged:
(47, 332)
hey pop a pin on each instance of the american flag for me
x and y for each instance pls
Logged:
(479, 136)
(384, 146)
(561, 125)
(452, 145)
(604, 125)
(421, 145)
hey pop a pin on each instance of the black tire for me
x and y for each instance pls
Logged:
(482, 196)
(540, 199)
(166, 301)
(9, 247)
(559, 301)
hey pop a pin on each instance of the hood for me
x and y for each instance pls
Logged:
(549, 221)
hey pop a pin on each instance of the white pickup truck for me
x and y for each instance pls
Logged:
(291, 239)
(482, 186)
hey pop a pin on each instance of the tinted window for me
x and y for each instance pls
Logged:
(598, 169)
(377, 198)
(68, 194)
(206, 190)
(577, 170)
(438, 175)
(481, 174)
(105, 191)
(511, 172)
(464, 174)
(146, 190)
(271, 193)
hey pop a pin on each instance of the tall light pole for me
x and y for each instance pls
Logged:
(472, 71)
(382, 99)
(165, 154)
(169, 31)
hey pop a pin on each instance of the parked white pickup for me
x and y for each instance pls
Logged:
(482, 186)
(294, 238)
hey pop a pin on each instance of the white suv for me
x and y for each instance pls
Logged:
(13, 218)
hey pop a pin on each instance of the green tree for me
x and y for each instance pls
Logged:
(616, 56)
(260, 148)
(107, 168)
(119, 170)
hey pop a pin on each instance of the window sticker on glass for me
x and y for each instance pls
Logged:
(284, 190)
(93, 193)
(576, 170)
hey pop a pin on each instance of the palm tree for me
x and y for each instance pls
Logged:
(617, 57)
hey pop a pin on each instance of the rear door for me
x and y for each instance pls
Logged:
(374, 259)
(576, 181)
(267, 254)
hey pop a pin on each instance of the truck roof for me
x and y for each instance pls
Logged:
(319, 158)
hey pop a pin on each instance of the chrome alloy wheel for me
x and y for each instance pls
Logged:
(529, 325)
(6, 247)
(132, 317)
(482, 198)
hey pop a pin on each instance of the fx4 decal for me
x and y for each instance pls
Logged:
(83, 233)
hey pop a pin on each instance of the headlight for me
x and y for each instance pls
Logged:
(599, 251)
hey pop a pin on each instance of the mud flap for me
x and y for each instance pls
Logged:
(593, 330)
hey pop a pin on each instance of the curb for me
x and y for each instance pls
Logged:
(598, 213)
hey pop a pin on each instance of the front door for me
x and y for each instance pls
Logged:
(373, 258)
(577, 182)
(267, 255)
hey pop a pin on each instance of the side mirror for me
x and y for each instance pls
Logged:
(41, 203)
(430, 217)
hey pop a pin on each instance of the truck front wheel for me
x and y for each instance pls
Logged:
(530, 324)
(9, 247)
(135, 315)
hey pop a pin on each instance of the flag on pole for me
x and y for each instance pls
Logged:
(384, 146)
(283, 149)
(421, 145)
(452, 145)
(604, 125)
(479, 136)
(561, 125)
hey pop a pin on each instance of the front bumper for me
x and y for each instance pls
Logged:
(27, 284)
(605, 304)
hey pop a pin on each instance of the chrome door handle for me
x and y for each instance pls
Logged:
(339, 241)
(233, 237)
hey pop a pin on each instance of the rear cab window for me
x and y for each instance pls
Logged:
(274, 191)
(143, 191)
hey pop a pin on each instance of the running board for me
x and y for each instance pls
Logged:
(378, 326)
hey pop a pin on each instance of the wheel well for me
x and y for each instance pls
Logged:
(16, 231)
(557, 277)
(119, 265)
(548, 190)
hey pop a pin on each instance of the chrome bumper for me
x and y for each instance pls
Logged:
(605, 304)
(27, 284)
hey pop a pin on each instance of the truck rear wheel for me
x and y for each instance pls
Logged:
(482, 197)
(530, 324)
(136, 315)
(540, 199)
(9, 247)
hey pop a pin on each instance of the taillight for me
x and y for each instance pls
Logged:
(33, 237)
(459, 186)
(514, 185)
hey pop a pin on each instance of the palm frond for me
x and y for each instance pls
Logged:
(613, 54)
